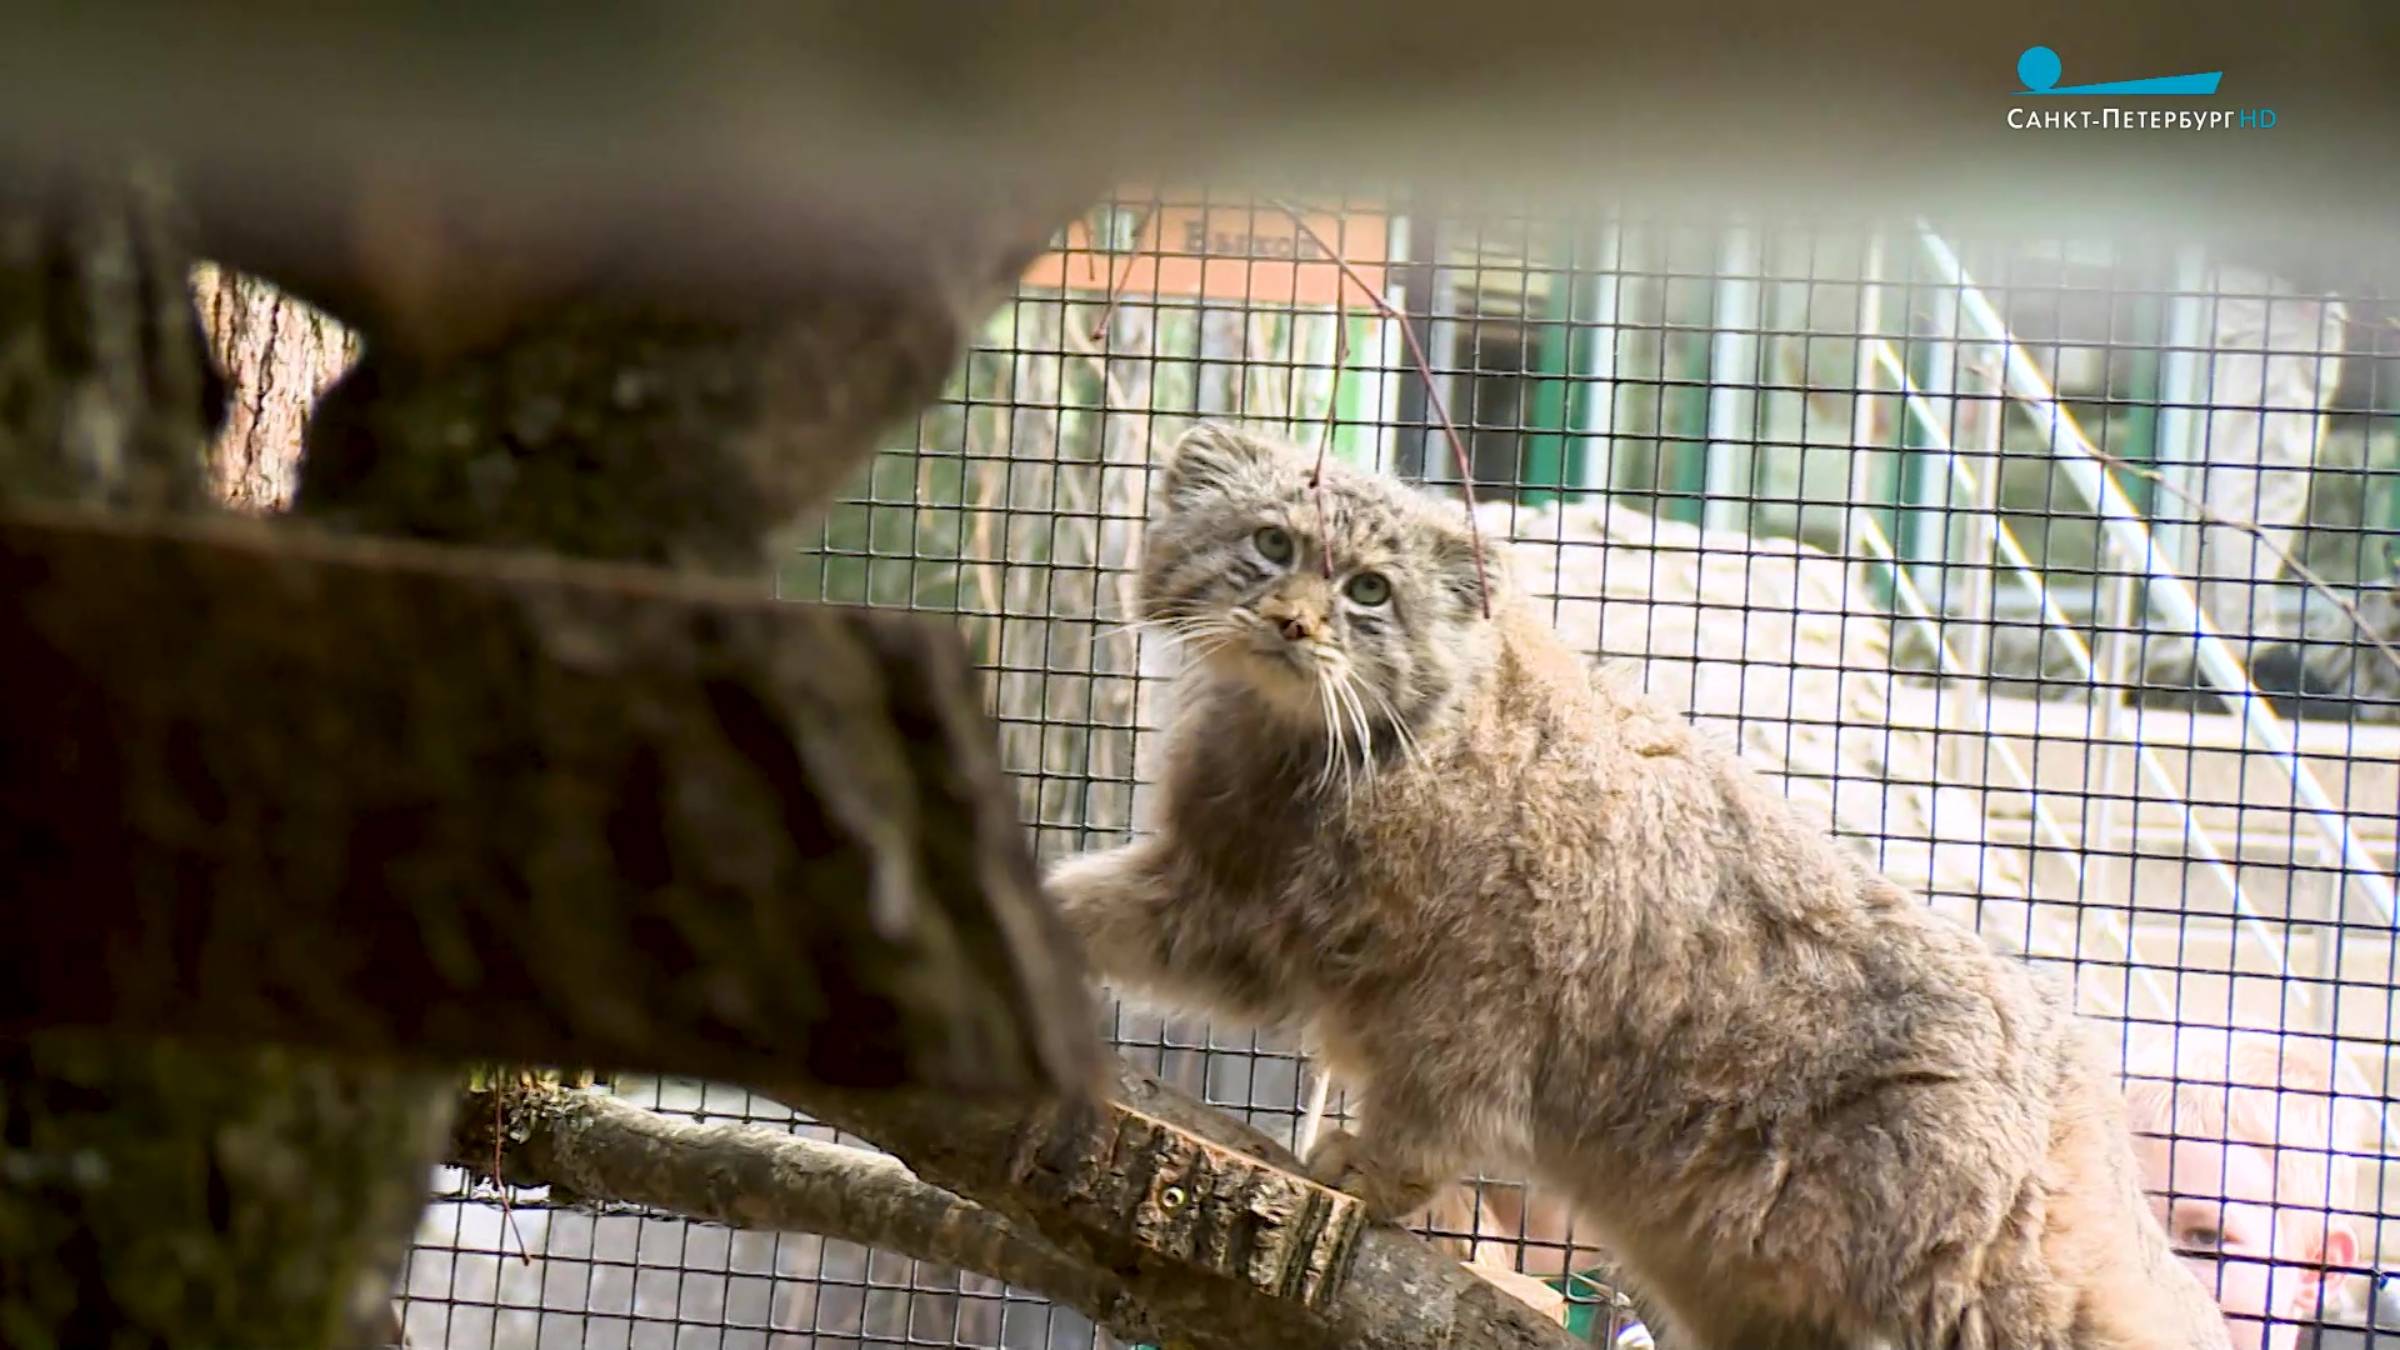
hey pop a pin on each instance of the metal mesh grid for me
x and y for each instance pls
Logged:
(1905, 513)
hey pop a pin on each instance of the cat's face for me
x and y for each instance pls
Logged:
(1342, 610)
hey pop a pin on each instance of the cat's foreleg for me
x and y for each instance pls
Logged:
(1115, 902)
(1137, 922)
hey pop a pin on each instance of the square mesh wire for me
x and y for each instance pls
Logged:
(1958, 537)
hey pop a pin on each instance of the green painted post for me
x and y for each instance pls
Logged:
(1684, 440)
(1544, 438)
(1580, 393)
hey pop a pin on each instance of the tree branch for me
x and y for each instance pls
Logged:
(591, 1144)
(1189, 1273)
(1200, 1215)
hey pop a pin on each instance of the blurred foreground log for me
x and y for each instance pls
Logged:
(284, 824)
(710, 142)
(509, 807)
(160, 1192)
(633, 431)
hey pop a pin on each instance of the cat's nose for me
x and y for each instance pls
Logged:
(1295, 629)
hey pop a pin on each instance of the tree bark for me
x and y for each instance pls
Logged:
(169, 825)
(589, 1145)
(632, 432)
(279, 353)
(161, 1193)
(1167, 1223)
(613, 817)
(1202, 1217)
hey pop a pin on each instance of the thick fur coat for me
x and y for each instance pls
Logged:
(1541, 924)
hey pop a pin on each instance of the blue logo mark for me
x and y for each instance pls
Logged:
(2040, 68)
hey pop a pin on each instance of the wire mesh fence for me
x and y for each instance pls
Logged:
(2055, 575)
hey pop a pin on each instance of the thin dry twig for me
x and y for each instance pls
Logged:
(1333, 414)
(2207, 514)
(508, 1213)
(1433, 393)
(1113, 399)
(1121, 268)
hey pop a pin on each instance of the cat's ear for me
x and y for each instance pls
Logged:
(1467, 567)
(1212, 457)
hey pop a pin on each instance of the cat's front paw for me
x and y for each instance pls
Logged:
(1343, 1161)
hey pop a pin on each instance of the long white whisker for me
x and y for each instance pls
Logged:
(1202, 634)
(1341, 734)
(1364, 761)
(1172, 627)
(1201, 651)
(1332, 730)
(1401, 731)
(1341, 730)
(1358, 719)
(1354, 762)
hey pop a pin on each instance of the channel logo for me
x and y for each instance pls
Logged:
(2041, 103)
(2040, 69)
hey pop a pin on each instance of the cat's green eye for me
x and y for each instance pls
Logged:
(1273, 543)
(1369, 589)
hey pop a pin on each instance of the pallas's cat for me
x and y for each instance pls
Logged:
(1542, 924)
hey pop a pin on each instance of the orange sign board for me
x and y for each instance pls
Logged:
(1254, 254)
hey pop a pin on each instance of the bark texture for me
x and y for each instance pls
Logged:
(510, 806)
(223, 845)
(160, 1192)
(1202, 1218)
(682, 440)
(520, 390)
(279, 353)
(1166, 1222)
(585, 1144)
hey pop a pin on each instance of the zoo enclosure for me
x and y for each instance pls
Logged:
(1983, 547)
